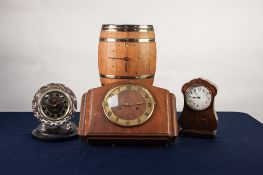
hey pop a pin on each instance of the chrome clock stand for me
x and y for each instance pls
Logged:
(54, 105)
(66, 131)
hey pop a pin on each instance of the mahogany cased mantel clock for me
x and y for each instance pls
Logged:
(198, 117)
(128, 113)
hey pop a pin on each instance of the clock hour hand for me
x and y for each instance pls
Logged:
(120, 58)
(52, 102)
(115, 58)
(126, 59)
(126, 65)
(140, 103)
(51, 105)
(128, 105)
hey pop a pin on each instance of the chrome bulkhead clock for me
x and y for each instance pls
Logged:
(54, 105)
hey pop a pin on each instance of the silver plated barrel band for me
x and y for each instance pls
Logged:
(127, 77)
(127, 28)
(138, 40)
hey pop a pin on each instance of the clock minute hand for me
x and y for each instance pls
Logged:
(52, 105)
(140, 103)
(128, 105)
(126, 59)
(120, 58)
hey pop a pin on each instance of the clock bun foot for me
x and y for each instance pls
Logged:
(197, 133)
(64, 132)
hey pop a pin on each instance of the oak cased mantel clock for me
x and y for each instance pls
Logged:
(128, 113)
(198, 117)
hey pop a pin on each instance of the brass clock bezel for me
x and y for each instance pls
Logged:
(196, 85)
(125, 122)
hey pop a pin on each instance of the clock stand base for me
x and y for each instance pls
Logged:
(118, 141)
(67, 131)
(197, 133)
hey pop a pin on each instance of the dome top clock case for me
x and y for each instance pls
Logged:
(128, 113)
(198, 117)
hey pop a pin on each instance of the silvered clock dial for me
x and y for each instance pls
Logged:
(198, 97)
(54, 105)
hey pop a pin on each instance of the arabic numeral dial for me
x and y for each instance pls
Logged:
(198, 97)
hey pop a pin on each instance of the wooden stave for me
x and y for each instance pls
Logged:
(123, 36)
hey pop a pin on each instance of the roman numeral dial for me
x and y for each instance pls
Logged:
(128, 105)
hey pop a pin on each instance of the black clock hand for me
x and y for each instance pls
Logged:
(126, 65)
(115, 58)
(141, 103)
(120, 58)
(129, 105)
(124, 59)
(53, 105)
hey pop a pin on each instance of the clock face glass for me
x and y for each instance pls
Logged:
(198, 97)
(128, 105)
(54, 105)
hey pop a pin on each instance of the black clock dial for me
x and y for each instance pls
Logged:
(54, 105)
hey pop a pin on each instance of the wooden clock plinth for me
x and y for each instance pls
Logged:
(95, 128)
(198, 123)
(197, 133)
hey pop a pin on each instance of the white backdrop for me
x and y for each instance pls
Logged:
(43, 41)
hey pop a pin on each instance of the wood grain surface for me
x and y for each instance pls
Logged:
(127, 60)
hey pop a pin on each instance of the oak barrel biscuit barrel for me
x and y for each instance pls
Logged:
(127, 52)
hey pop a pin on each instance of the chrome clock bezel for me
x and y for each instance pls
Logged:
(37, 108)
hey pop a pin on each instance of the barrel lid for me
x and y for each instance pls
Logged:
(127, 28)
